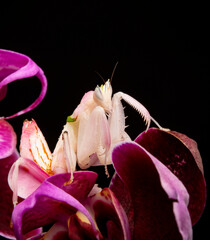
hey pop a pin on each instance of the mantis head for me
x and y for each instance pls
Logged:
(103, 96)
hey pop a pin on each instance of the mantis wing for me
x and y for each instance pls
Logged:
(93, 137)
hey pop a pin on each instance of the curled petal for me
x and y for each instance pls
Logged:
(180, 154)
(8, 139)
(49, 204)
(158, 197)
(16, 66)
(6, 206)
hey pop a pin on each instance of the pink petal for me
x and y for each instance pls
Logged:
(24, 177)
(15, 66)
(6, 206)
(8, 139)
(159, 199)
(180, 154)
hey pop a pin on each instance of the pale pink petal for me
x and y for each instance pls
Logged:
(24, 177)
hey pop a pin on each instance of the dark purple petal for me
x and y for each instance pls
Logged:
(15, 66)
(57, 232)
(81, 186)
(180, 154)
(6, 206)
(109, 215)
(159, 199)
(49, 204)
(80, 228)
(192, 146)
(122, 194)
(8, 139)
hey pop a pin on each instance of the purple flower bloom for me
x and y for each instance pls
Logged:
(73, 210)
(181, 155)
(13, 66)
(149, 174)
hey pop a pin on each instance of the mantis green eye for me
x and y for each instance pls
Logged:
(98, 94)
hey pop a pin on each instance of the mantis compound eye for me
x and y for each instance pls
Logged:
(98, 94)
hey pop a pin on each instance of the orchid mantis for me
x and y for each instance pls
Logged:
(88, 137)
(94, 128)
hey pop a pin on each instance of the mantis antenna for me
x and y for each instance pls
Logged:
(115, 66)
(113, 71)
(100, 76)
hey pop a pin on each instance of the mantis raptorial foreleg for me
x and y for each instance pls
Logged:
(136, 105)
(117, 121)
(64, 155)
(93, 137)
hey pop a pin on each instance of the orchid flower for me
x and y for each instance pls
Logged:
(78, 210)
(157, 196)
(147, 184)
(13, 66)
(158, 190)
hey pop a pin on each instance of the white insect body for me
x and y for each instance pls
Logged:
(94, 128)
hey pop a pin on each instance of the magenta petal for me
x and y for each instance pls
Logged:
(182, 157)
(48, 204)
(6, 206)
(81, 186)
(8, 139)
(15, 66)
(158, 197)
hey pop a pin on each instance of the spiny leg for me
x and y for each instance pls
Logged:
(139, 108)
(117, 122)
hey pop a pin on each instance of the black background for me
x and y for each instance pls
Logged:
(163, 54)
